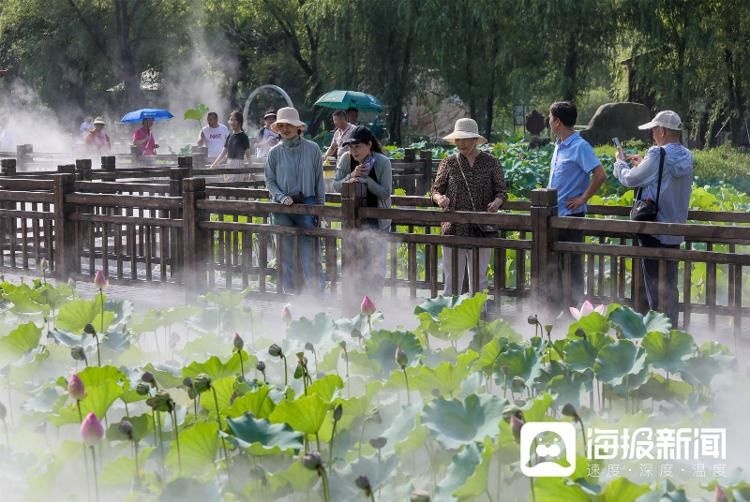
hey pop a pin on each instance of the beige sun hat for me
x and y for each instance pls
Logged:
(99, 120)
(465, 129)
(667, 119)
(289, 116)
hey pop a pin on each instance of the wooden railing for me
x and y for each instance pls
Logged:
(179, 230)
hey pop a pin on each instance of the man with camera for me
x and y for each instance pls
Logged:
(664, 180)
(294, 175)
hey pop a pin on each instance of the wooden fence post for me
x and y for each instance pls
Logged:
(23, 155)
(195, 240)
(8, 167)
(545, 280)
(426, 157)
(109, 168)
(353, 196)
(83, 169)
(65, 258)
(200, 156)
(410, 155)
(67, 169)
(177, 175)
(135, 155)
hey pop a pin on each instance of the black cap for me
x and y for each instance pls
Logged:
(361, 134)
(269, 113)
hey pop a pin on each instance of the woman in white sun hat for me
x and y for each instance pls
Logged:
(469, 180)
(294, 175)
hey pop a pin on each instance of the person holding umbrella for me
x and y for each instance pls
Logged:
(144, 139)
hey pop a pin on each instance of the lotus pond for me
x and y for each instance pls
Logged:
(219, 400)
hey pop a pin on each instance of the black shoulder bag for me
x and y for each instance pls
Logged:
(487, 230)
(645, 210)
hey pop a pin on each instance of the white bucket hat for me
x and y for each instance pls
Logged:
(465, 129)
(667, 119)
(289, 116)
(99, 120)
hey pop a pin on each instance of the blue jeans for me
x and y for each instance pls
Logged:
(306, 244)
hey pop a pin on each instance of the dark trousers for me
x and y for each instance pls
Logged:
(576, 264)
(651, 280)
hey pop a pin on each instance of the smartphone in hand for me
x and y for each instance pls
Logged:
(617, 144)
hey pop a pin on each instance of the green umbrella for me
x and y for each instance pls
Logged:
(350, 99)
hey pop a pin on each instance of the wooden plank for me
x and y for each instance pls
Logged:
(690, 231)
(657, 253)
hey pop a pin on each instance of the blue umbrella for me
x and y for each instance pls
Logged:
(350, 99)
(146, 113)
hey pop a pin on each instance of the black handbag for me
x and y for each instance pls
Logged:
(646, 210)
(486, 230)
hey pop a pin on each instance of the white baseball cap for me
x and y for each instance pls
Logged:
(667, 119)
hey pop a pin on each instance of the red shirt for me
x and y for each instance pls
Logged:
(147, 148)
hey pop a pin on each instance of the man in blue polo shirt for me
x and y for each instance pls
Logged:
(577, 174)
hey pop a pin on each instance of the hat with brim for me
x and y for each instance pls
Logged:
(270, 114)
(667, 119)
(465, 129)
(99, 120)
(289, 116)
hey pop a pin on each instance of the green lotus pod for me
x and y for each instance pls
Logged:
(162, 401)
(275, 351)
(363, 483)
(312, 461)
(202, 383)
(378, 442)
(142, 389)
(89, 329)
(78, 353)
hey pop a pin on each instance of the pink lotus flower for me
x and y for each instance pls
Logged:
(367, 307)
(76, 389)
(92, 430)
(100, 280)
(286, 314)
(586, 309)
(720, 495)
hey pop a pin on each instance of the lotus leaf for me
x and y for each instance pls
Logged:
(455, 423)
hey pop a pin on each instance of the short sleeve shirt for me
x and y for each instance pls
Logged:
(216, 138)
(236, 145)
(340, 137)
(572, 163)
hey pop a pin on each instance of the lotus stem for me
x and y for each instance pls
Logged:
(7, 436)
(330, 445)
(348, 386)
(177, 440)
(96, 480)
(324, 480)
(98, 353)
(161, 441)
(218, 421)
(101, 325)
(242, 365)
(286, 377)
(85, 460)
(406, 379)
(533, 495)
(137, 468)
(317, 440)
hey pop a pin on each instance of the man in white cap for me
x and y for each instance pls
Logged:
(672, 201)
(294, 175)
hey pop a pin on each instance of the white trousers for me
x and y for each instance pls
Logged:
(464, 263)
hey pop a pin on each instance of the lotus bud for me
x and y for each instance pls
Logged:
(533, 319)
(43, 265)
(238, 342)
(89, 329)
(92, 430)
(312, 461)
(76, 389)
(142, 389)
(570, 411)
(338, 411)
(401, 358)
(378, 442)
(3, 412)
(71, 283)
(515, 427)
(286, 314)
(419, 496)
(100, 280)
(162, 401)
(720, 495)
(275, 351)
(202, 383)
(367, 307)
(126, 429)
(78, 353)
(505, 370)
(309, 346)
(580, 333)
(363, 483)
(188, 382)
(260, 366)
(148, 377)
(356, 333)
(342, 344)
